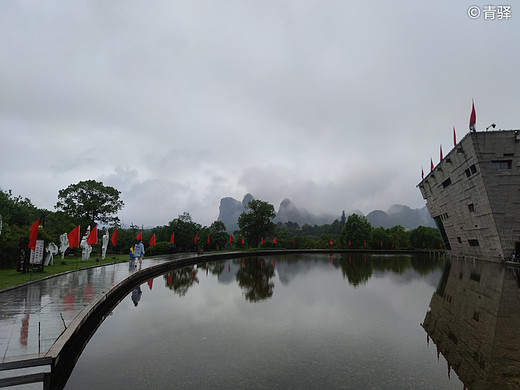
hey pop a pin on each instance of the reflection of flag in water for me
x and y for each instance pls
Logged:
(68, 302)
(34, 234)
(150, 283)
(24, 330)
(92, 237)
(431, 164)
(422, 173)
(87, 293)
(114, 237)
(73, 237)
(169, 279)
(441, 153)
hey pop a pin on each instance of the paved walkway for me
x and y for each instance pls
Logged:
(33, 316)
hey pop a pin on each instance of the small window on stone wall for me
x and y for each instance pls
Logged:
(501, 164)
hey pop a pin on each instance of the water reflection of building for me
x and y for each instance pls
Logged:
(474, 319)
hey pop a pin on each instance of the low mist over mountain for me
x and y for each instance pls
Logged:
(230, 209)
(400, 215)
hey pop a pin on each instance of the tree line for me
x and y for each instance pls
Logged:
(89, 203)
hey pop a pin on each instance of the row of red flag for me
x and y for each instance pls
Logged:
(92, 238)
(472, 123)
(73, 236)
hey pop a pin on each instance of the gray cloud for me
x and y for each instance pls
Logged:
(336, 105)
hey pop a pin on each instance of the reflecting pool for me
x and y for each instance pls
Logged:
(281, 322)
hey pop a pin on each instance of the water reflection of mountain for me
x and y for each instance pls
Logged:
(474, 319)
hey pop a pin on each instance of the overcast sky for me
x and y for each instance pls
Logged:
(336, 105)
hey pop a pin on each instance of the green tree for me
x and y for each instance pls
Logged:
(185, 231)
(256, 221)
(357, 230)
(18, 214)
(425, 237)
(218, 234)
(90, 201)
(379, 235)
(400, 237)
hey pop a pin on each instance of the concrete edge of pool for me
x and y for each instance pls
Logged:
(53, 369)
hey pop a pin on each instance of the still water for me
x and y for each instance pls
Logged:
(346, 321)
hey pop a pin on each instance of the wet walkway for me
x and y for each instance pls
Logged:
(33, 316)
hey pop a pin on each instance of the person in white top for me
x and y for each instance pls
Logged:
(139, 251)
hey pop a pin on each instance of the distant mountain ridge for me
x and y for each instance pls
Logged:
(230, 209)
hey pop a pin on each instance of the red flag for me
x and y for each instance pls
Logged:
(230, 239)
(73, 237)
(172, 238)
(150, 283)
(114, 237)
(152, 240)
(262, 241)
(242, 240)
(139, 237)
(208, 239)
(431, 165)
(92, 237)
(34, 234)
(473, 117)
(196, 238)
(422, 173)
(274, 241)
(454, 137)
(441, 153)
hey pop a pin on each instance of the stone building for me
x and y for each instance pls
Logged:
(473, 195)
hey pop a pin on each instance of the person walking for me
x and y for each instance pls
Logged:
(139, 252)
(131, 262)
